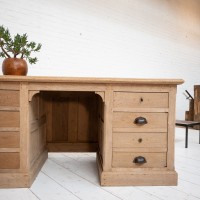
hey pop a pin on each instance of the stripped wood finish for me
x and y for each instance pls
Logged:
(71, 121)
(40, 114)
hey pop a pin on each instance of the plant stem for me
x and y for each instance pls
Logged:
(4, 50)
(15, 55)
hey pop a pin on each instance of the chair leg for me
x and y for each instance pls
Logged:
(199, 136)
(186, 137)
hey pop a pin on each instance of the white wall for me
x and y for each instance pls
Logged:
(112, 38)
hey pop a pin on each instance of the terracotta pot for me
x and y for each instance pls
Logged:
(14, 66)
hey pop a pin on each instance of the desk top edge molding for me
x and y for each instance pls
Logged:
(48, 79)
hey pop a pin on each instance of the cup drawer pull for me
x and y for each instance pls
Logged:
(139, 160)
(140, 120)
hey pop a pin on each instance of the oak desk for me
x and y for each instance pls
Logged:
(130, 123)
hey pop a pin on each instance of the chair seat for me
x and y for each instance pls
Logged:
(187, 124)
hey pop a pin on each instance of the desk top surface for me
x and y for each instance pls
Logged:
(47, 79)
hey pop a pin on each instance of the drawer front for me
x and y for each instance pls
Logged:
(9, 139)
(9, 98)
(9, 161)
(140, 100)
(154, 121)
(137, 140)
(9, 119)
(128, 160)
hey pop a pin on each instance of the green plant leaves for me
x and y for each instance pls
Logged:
(19, 46)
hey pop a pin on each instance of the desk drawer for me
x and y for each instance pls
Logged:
(140, 100)
(9, 98)
(9, 161)
(127, 120)
(9, 139)
(128, 160)
(139, 140)
(9, 119)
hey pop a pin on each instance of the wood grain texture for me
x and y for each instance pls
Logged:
(140, 100)
(9, 98)
(71, 117)
(127, 120)
(126, 160)
(9, 119)
(72, 147)
(171, 128)
(139, 140)
(24, 129)
(91, 80)
(9, 139)
(89, 114)
(37, 123)
(9, 161)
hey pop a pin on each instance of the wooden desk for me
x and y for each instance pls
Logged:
(129, 123)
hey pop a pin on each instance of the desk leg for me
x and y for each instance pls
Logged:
(186, 137)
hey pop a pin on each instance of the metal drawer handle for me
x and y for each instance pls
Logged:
(140, 120)
(139, 160)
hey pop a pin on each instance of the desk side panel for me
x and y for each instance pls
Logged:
(37, 124)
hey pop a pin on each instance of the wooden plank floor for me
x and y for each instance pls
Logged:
(73, 176)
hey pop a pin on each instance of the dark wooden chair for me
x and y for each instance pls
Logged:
(187, 124)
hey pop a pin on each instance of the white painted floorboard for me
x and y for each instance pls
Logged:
(73, 176)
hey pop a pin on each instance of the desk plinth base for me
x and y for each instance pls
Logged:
(137, 177)
(23, 179)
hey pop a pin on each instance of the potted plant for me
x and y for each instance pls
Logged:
(16, 51)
